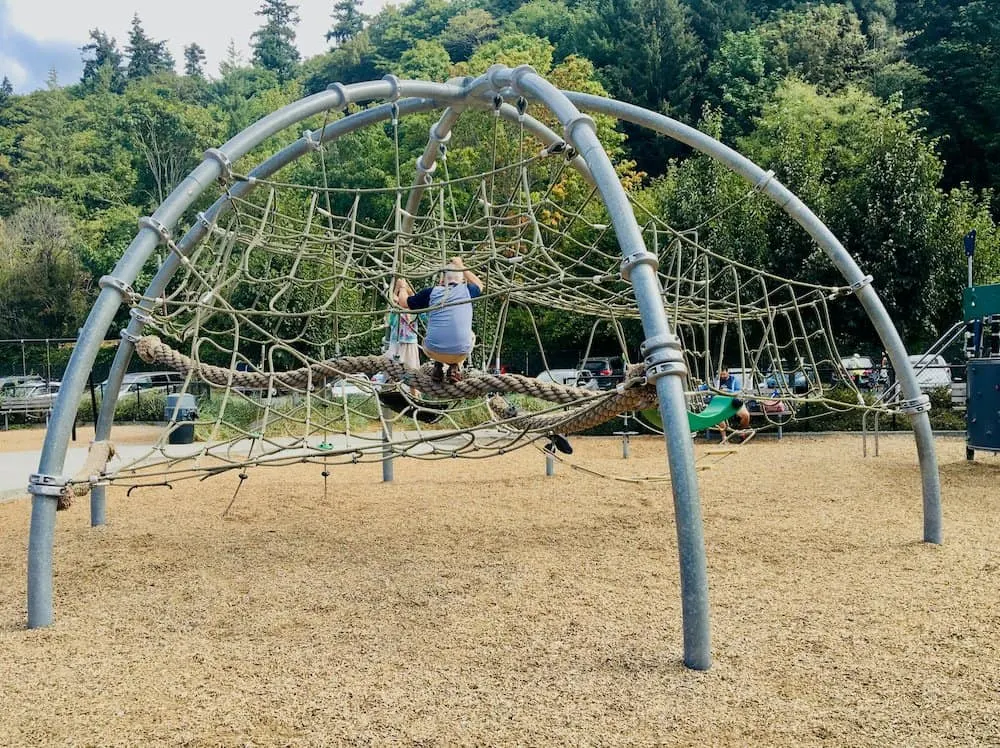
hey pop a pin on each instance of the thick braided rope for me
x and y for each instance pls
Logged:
(96, 464)
(577, 419)
(153, 351)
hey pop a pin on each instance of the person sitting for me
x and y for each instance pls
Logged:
(731, 384)
(449, 339)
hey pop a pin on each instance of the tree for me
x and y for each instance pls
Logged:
(822, 45)
(233, 59)
(146, 57)
(646, 52)
(349, 21)
(466, 31)
(274, 43)
(552, 20)
(42, 289)
(166, 135)
(869, 171)
(425, 61)
(194, 59)
(6, 90)
(956, 43)
(102, 63)
(395, 30)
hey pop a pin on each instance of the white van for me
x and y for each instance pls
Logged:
(166, 381)
(933, 372)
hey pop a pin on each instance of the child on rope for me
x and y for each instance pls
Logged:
(449, 339)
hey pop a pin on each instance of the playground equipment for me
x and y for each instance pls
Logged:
(281, 287)
(981, 313)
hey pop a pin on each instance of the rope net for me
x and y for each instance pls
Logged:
(279, 318)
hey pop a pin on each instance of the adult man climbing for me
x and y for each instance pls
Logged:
(449, 338)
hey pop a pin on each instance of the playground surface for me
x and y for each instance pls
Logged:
(480, 602)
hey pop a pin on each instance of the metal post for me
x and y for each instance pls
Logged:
(550, 464)
(661, 351)
(387, 458)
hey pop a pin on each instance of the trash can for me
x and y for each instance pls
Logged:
(187, 412)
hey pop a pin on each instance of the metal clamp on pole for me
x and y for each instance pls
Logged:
(866, 281)
(340, 89)
(920, 404)
(126, 335)
(393, 81)
(40, 484)
(124, 289)
(424, 173)
(140, 315)
(223, 160)
(315, 143)
(662, 356)
(638, 258)
(148, 222)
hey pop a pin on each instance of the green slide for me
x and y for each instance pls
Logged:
(720, 409)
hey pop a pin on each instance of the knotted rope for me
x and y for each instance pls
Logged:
(593, 408)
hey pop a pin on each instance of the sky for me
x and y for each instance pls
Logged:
(40, 35)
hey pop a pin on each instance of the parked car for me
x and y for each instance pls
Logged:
(859, 368)
(165, 381)
(608, 371)
(933, 372)
(33, 397)
(571, 377)
(8, 384)
(748, 382)
(799, 382)
(355, 385)
(32, 393)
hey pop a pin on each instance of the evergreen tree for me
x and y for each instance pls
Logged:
(233, 60)
(102, 61)
(146, 57)
(349, 21)
(274, 42)
(194, 58)
(6, 90)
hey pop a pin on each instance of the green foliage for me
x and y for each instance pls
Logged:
(394, 31)
(348, 21)
(145, 56)
(552, 20)
(823, 45)
(43, 292)
(646, 52)
(165, 134)
(102, 63)
(425, 61)
(274, 42)
(194, 60)
(467, 31)
(955, 44)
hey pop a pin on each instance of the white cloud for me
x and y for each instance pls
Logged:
(65, 24)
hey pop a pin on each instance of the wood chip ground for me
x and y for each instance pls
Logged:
(478, 602)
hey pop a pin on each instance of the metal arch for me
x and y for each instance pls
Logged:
(53, 455)
(661, 348)
(841, 258)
